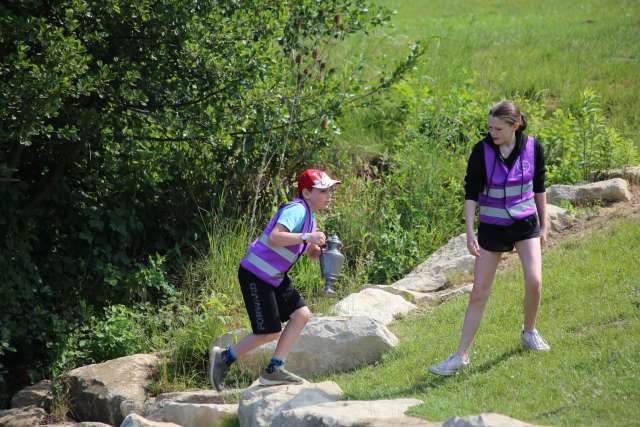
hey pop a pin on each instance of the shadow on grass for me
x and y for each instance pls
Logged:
(432, 382)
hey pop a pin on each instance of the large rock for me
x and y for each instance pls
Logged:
(109, 391)
(259, 406)
(194, 409)
(449, 262)
(629, 173)
(558, 217)
(336, 344)
(197, 414)
(135, 420)
(561, 192)
(26, 416)
(375, 303)
(485, 420)
(354, 413)
(611, 190)
(40, 395)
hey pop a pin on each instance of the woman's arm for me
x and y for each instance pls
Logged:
(541, 205)
(469, 219)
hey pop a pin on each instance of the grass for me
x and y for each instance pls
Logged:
(590, 314)
(549, 48)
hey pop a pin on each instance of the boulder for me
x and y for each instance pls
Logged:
(109, 391)
(91, 424)
(351, 413)
(611, 190)
(259, 406)
(629, 173)
(335, 344)
(135, 420)
(559, 192)
(375, 303)
(40, 395)
(25, 416)
(451, 260)
(197, 408)
(558, 217)
(485, 420)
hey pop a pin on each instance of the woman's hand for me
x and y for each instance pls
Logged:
(543, 235)
(472, 245)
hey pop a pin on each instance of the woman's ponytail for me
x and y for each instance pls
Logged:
(523, 123)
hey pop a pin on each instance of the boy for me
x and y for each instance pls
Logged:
(269, 295)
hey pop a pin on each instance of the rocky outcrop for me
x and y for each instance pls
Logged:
(630, 174)
(26, 416)
(204, 408)
(135, 420)
(351, 413)
(375, 303)
(611, 190)
(40, 395)
(485, 420)
(260, 406)
(109, 391)
(451, 261)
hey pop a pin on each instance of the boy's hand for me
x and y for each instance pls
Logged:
(316, 238)
(313, 252)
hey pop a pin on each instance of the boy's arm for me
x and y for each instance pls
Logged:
(313, 252)
(281, 236)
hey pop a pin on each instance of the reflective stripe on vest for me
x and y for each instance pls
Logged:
(509, 194)
(271, 263)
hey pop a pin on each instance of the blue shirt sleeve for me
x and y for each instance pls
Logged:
(293, 217)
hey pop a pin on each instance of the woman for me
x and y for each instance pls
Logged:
(505, 178)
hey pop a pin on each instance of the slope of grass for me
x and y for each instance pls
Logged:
(590, 314)
(552, 48)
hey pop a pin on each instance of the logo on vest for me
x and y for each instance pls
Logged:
(524, 166)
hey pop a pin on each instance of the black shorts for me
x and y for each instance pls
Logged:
(502, 238)
(268, 306)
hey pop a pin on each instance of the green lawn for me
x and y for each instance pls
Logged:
(553, 48)
(590, 315)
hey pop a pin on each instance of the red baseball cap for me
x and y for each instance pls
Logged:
(314, 178)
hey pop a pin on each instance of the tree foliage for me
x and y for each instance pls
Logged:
(121, 121)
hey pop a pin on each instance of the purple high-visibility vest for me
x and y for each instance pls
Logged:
(271, 263)
(508, 195)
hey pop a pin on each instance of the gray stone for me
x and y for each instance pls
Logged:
(259, 406)
(336, 344)
(611, 190)
(109, 391)
(135, 420)
(39, 394)
(25, 416)
(91, 424)
(350, 413)
(629, 173)
(485, 420)
(196, 414)
(450, 261)
(375, 303)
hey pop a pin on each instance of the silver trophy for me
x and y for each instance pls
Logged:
(331, 261)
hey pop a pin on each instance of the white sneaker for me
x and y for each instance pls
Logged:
(533, 341)
(450, 366)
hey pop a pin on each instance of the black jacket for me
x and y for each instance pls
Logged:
(475, 180)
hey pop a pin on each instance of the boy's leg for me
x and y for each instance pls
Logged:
(293, 310)
(292, 331)
(262, 307)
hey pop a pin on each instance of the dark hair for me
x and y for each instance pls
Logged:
(510, 113)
